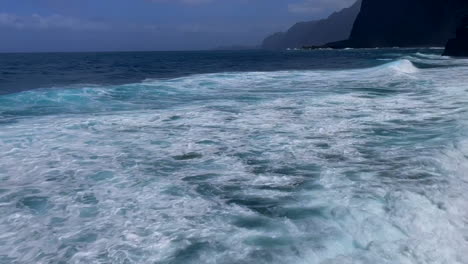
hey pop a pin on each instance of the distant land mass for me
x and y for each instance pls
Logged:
(404, 23)
(314, 33)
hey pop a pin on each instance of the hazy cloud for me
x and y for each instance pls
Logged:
(318, 6)
(62, 25)
(191, 2)
(49, 22)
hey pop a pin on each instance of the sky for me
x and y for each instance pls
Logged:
(134, 25)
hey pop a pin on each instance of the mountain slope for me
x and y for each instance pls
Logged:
(313, 33)
(458, 46)
(404, 23)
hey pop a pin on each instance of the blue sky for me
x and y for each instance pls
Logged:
(99, 25)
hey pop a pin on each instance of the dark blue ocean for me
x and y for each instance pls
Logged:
(350, 156)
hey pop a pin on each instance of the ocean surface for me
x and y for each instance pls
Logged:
(351, 156)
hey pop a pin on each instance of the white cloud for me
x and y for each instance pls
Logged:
(49, 22)
(9, 20)
(318, 6)
(39, 22)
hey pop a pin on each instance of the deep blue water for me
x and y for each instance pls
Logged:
(351, 156)
(44, 70)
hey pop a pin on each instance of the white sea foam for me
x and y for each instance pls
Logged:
(403, 66)
(351, 166)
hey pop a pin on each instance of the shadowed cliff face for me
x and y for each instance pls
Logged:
(404, 23)
(336, 27)
(459, 46)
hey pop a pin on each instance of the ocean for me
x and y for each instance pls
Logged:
(347, 156)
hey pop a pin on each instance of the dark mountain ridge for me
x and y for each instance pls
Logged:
(313, 33)
(404, 23)
(458, 46)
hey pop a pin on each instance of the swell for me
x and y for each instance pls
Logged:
(426, 61)
(160, 94)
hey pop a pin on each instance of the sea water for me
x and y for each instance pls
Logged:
(355, 156)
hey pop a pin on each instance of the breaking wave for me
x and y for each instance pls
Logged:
(350, 166)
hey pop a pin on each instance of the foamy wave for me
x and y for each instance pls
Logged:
(165, 93)
(434, 60)
(350, 166)
(403, 66)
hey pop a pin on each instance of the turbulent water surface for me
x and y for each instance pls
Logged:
(362, 160)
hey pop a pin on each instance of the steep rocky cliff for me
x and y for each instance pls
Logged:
(458, 46)
(336, 27)
(404, 23)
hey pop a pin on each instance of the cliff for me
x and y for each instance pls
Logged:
(404, 23)
(313, 33)
(458, 46)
